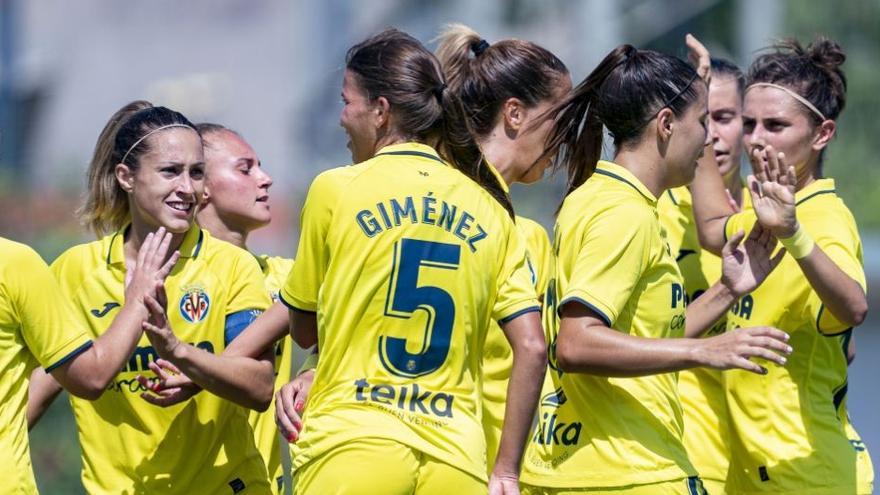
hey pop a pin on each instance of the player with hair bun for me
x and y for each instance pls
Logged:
(610, 419)
(506, 89)
(789, 432)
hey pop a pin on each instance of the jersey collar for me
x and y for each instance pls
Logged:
(189, 248)
(497, 175)
(815, 188)
(616, 172)
(411, 149)
(680, 196)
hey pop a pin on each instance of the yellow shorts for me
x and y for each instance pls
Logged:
(382, 467)
(686, 486)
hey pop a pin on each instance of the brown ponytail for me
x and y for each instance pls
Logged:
(396, 66)
(622, 94)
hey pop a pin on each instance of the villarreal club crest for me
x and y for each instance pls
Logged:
(194, 304)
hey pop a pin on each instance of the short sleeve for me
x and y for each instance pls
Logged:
(613, 251)
(300, 291)
(540, 252)
(49, 325)
(744, 221)
(516, 292)
(247, 290)
(838, 239)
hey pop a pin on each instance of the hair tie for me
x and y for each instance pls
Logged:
(478, 47)
(145, 136)
(791, 93)
(438, 91)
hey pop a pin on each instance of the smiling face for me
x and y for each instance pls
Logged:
(358, 118)
(167, 184)
(531, 158)
(725, 123)
(236, 186)
(686, 143)
(773, 117)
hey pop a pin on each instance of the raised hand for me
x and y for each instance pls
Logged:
(156, 326)
(772, 187)
(699, 57)
(745, 266)
(734, 349)
(169, 388)
(150, 267)
(290, 402)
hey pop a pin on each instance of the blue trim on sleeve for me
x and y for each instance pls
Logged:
(519, 313)
(592, 308)
(237, 322)
(72, 354)
(291, 306)
(822, 332)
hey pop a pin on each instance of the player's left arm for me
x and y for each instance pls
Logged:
(243, 380)
(745, 265)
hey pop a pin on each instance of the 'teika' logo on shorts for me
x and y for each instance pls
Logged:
(194, 304)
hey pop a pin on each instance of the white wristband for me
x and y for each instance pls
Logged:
(800, 245)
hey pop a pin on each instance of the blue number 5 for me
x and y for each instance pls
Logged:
(405, 297)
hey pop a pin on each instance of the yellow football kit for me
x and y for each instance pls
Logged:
(405, 261)
(275, 270)
(788, 435)
(704, 403)
(203, 445)
(37, 328)
(497, 354)
(599, 432)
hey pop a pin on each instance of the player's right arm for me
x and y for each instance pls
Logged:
(603, 279)
(87, 370)
(518, 313)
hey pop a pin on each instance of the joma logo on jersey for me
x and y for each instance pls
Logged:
(405, 397)
(194, 304)
(551, 431)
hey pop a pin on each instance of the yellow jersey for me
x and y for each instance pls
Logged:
(788, 434)
(611, 256)
(706, 418)
(203, 445)
(405, 261)
(36, 329)
(497, 354)
(275, 270)
(864, 465)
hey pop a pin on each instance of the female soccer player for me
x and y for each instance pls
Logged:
(706, 418)
(788, 432)
(402, 262)
(235, 203)
(610, 419)
(37, 328)
(147, 172)
(506, 90)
